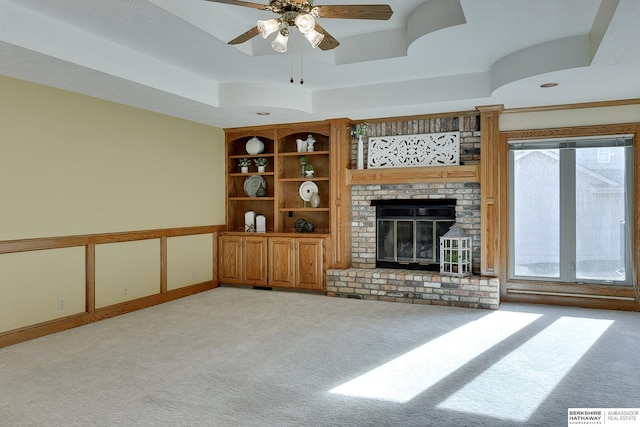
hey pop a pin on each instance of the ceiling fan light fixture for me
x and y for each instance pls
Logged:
(314, 37)
(305, 23)
(303, 15)
(270, 26)
(280, 43)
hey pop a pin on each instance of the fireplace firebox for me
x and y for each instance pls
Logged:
(408, 232)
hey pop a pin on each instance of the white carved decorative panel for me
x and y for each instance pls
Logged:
(429, 149)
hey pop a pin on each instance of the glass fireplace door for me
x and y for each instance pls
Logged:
(396, 241)
(405, 247)
(410, 241)
(424, 242)
(386, 246)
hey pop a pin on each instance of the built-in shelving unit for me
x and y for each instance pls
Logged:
(282, 204)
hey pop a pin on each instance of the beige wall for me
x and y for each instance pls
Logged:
(32, 283)
(190, 260)
(72, 164)
(512, 121)
(125, 271)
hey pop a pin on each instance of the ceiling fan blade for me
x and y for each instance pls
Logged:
(241, 3)
(245, 36)
(356, 11)
(328, 42)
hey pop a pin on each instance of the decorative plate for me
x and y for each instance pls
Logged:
(253, 184)
(307, 188)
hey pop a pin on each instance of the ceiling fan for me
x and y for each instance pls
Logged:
(302, 14)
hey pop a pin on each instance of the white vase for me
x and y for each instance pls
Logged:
(360, 153)
(244, 169)
(261, 169)
(314, 200)
(250, 221)
(254, 146)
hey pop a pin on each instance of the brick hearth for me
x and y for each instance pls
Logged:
(419, 287)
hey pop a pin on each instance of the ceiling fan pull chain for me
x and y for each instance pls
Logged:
(301, 72)
(291, 72)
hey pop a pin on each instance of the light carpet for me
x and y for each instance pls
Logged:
(245, 357)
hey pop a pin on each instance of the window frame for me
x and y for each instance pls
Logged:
(567, 167)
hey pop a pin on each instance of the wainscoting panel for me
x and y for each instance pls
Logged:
(38, 286)
(55, 283)
(127, 271)
(189, 260)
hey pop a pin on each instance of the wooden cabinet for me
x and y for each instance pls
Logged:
(242, 260)
(296, 262)
(282, 262)
(309, 265)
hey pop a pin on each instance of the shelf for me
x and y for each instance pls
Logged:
(250, 156)
(302, 153)
(303, 209)
(301, 179)
(248, 174)
(253, 199)
(416, 175)
(269, 233)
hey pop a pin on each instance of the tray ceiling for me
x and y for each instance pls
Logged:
(172, 57)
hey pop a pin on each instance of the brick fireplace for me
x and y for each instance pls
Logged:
(364, 280)
(363, 214)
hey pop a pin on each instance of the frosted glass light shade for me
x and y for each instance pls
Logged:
(280, 43)
(305, 23)
(268, 27)
(314, 37)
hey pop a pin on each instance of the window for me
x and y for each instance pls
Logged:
(571, 211)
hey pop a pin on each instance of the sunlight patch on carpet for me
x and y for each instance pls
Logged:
(403, 378)
(514, 387)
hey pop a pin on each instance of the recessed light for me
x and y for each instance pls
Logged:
(547, 85)
(263, 113)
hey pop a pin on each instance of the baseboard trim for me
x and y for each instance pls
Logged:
(567, 294)
(58, 325)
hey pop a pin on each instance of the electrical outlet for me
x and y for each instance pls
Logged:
(193, 275)
(125, 289)
(61, 303)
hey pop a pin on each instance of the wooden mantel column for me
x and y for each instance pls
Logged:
(490, 197)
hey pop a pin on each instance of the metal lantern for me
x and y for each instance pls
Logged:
(455, 252)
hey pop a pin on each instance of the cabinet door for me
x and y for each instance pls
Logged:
(230, 259)
(255, 261)
(281, 262)
(309, 263)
